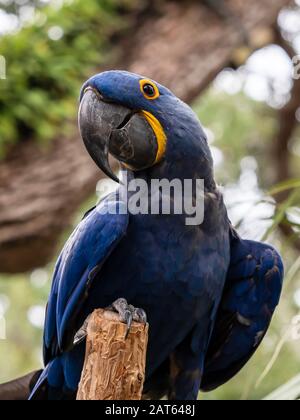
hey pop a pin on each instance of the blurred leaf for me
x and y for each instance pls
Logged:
(288, 392)
(281, 213)
(285, 186)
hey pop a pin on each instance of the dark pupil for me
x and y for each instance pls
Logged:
(149, 90)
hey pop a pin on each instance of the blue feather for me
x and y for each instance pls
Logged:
(83, 255)
(252, 292)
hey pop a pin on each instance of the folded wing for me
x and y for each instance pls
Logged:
(79, 263)
(252, 292)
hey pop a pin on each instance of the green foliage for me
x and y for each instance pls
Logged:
(46, 64)
(288, 185)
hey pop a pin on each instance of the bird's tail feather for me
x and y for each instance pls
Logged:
(51, 384)
(40, 389)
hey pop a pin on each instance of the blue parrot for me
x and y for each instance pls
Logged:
(208, 295)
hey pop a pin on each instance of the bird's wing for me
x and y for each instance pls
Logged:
(79, 263)
(251, 294)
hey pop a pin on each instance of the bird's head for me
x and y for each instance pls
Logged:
(143, 125)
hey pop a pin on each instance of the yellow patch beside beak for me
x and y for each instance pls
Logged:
(160, 134)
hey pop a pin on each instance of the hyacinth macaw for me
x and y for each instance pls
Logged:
(209, 295)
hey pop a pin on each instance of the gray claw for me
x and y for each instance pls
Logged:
(128, 313)
(128, 321)
(139, 315)
(121, 307)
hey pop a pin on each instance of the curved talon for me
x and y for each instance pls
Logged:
(128, 319)
(128, 313)
(139, 315)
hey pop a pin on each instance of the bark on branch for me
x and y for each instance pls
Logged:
(114, 367)
(183, 45)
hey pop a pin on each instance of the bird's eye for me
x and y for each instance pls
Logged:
(149, 89)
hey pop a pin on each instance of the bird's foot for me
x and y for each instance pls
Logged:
(128, 313)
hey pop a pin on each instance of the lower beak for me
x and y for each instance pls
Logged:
(110, 128)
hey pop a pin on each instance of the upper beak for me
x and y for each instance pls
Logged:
(110, 128)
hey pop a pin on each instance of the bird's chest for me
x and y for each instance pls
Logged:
(159, 259)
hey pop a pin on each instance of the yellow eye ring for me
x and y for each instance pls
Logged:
(149, 89)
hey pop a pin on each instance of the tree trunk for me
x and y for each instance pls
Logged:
(182, 44)
(114, 367)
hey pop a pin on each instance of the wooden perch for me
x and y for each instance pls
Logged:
(114, 367)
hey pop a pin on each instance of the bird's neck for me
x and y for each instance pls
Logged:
(197, 169)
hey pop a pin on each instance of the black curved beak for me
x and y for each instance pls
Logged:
(106, 127)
